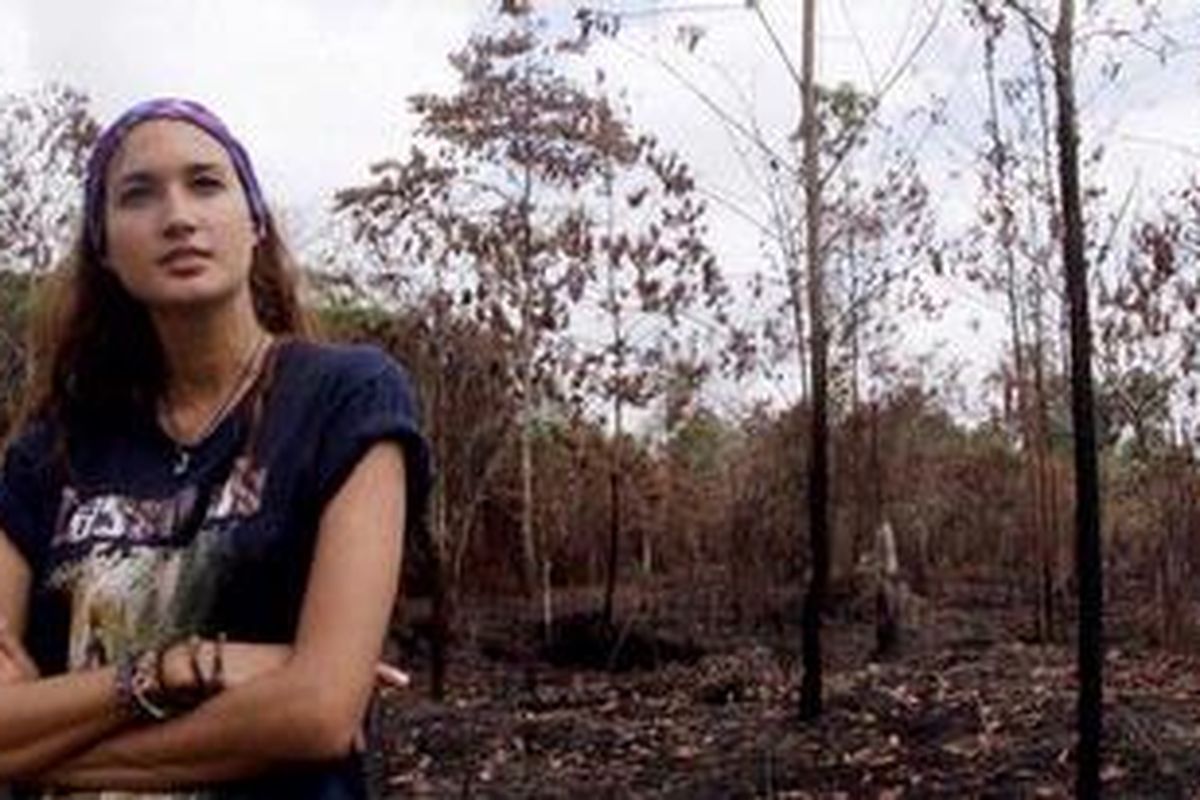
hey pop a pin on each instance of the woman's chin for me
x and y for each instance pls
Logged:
(189, 293)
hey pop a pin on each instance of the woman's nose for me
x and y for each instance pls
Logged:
(178, 213)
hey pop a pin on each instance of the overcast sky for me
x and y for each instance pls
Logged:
(317, 88)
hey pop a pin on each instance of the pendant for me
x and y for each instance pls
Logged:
(183, 460)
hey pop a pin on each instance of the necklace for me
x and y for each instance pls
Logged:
(247, 371)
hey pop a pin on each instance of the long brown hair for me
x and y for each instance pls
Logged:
(95, 354)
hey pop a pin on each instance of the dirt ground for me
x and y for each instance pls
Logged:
(966, 710)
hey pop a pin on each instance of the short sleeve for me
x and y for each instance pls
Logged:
(378, 406)
(25, 488)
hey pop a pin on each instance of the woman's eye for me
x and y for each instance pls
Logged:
(208, 183)
(134, 194)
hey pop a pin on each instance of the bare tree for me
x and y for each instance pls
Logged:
(1089, 564)
(45, 136)
(1018, 183)
(1088, 561)
(538, 210)
(818, 470)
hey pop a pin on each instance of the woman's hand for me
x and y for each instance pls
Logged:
(240, 663)
(243, 662)
(389, 677)
(15, 664)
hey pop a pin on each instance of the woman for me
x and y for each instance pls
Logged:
(201, 518)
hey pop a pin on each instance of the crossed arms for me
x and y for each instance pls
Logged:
(282, 705)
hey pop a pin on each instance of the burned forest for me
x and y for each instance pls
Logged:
(834, 436)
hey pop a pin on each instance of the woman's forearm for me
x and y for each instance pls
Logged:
(45, 721)
(279, 719)
(310, 708)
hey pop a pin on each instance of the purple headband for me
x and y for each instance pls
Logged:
(163, 108)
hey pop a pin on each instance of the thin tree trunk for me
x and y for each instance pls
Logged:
(614, 517)
(442, 612)
(791, 251)
(863, 523)
(818, 482)
(439, 528)
(1087, 485)
(614, 477)
(999, 162)
(796, 287)
(1043, 497)
(1028, 447)
(528, 548)
(1049, 484)
(875, 469)
(855, 310)
(528, 545)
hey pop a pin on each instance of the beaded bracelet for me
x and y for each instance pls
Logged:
(124, 685)
(144, 684)
(134, 685)
(141, 681)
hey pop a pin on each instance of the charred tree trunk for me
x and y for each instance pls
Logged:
(1087, 487)
(818, 482)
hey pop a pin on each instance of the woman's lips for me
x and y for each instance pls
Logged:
(180, 254)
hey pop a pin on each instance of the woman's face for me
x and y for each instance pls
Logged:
(177, 224)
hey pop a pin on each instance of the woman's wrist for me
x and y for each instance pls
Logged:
(194, 666)
(176, 674)
(138, 687)
(175, 678)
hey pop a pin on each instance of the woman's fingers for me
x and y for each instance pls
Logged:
(390, 677)
(10, 672)
(15, 663)
(242, 662)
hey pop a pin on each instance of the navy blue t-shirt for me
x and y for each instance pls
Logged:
(127, 553)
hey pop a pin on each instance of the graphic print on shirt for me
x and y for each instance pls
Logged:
(134, 574)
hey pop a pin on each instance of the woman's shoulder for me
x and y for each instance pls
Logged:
(337, 369)
(337, 361)
(33, 440)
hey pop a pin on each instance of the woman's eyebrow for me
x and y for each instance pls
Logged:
(136, 177)
(191, 170)
(200, 167)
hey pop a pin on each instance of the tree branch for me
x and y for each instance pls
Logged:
(1030, 18)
